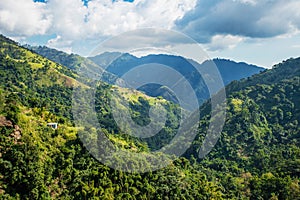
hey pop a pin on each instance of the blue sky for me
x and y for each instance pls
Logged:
(261, 32)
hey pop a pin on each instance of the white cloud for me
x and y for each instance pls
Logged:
(73, 21)
(296, 46)
(61, 44)
(110, 18)
(221, 42)
(251, 2)
(220, 23)
(68, 18)
(23, 18)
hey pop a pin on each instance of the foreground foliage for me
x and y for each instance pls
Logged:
(256, 157)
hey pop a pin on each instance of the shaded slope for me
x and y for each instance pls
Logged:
(260, 141)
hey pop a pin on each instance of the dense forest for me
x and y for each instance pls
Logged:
(256, 157)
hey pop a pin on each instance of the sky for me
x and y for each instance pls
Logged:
(262, 32)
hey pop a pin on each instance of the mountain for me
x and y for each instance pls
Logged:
(74, 62)
(258, 153)
(117, 64)
(45, 86)
(39, 162)
(234, 71)
(285, 70)
(256, 157)
(138, 101)
(229, 71)
(105, 58)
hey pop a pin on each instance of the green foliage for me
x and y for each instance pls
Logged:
(37, 162)
(74, 62)
(259, 144)
(257, 156)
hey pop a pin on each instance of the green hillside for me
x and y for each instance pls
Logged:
(256, 157)
(258, 154)
(73, 62)
(38, 162)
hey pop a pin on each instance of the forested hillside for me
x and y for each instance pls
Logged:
(258, 153)
(256, 157)
(38, 162)
(73, 62)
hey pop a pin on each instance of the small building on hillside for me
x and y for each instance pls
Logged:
(53, 125)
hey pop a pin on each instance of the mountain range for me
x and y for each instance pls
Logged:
(256, 157)
(116, 64)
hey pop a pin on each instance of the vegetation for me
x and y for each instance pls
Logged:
(258, 153)
(256, 157)
(37, 162)
(74, 62)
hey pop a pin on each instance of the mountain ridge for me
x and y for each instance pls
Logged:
(114, 64)
(256, 157)
(229, 71)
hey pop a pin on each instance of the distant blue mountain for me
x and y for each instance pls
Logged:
(229, 71)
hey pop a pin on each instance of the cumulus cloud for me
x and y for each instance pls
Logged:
(24, 18)
(221, 42)
(247, 18)
(76, 20)
(68, 18)
(221, 23)
(60, 43)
